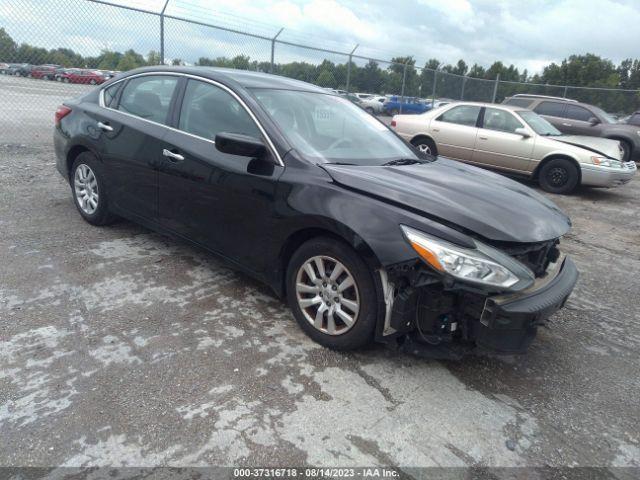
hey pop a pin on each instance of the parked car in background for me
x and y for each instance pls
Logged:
(515, 140)
(576, 118)
(363, 96)
(633, 119)
(455, 257)
(44, 72)
(65, 75)
(351, 97)
(395, 104)
(373, 104)
(12, 68)
(24, 70)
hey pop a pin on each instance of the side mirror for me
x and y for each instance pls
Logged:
(593, 121)
(238, 144)
(523, 132)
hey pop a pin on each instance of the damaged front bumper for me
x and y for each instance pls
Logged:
(434, 320)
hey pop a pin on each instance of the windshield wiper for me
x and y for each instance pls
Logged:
(403, 161)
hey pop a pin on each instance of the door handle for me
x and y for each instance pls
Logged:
(566, 124)
(436, 129)
(105, 127)
(174, 157)
(483, 138)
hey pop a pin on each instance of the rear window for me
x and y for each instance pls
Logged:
(148, 97)
(519, 102)
(461, 115)
(110, 93)
(553, 109)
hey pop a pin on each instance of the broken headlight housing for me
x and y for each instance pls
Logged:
(483, 266)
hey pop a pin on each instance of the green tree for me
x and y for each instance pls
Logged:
(8, 48)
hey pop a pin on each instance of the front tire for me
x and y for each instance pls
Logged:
(425, 145)
(559, 176)
(89, 190)
(331, 293)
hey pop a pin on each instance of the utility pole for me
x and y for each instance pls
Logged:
(495, 89)
(273, 49)
(162, 32)
(404, 79)
(433, 92)
(349, 67)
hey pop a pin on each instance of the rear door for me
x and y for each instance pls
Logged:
(499, 146)
(131, 130)
(221, 201)
(455, 131)
(553, 112)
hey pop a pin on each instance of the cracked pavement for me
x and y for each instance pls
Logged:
(121, 347)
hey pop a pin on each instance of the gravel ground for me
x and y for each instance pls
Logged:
(121, 347)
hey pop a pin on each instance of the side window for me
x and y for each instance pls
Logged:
(519, 102)
(501, 120)
(575, 112)
(462, 115)
(110, 93)
(148, 97)
(208, 110)
(553, 109)
(634, 119)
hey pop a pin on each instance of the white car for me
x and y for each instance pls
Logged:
(373, 104)
(515, 140)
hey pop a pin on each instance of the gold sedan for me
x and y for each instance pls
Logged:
(516, 141)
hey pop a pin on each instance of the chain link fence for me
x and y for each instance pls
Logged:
(86, 41)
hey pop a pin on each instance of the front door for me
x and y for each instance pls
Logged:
(498, 145)
(218, 200)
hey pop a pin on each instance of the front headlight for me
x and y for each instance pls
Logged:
(483, 265)
(606, 162)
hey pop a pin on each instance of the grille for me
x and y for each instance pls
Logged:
(536, 256)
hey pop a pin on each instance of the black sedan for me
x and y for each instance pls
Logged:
(366, 237)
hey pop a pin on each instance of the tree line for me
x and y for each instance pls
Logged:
(455, 81)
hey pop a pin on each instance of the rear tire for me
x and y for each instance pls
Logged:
(322, 302)
(558, 176)
(87, 176)
(393, 112)
(425, 145)
(370, 110)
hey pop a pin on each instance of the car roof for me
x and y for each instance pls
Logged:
(242, 78)
(503, 106)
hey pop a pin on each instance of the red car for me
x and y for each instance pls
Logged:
(91, 77)
(45, 72)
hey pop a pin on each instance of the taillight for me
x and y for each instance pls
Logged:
(393, 123)
(61, 112)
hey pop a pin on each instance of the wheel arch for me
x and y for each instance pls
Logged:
(622, 138)
(554, 156)
(74, 152)
(337, 231)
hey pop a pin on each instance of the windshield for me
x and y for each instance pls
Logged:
(330, 129)
(538, 124)
(604, 116)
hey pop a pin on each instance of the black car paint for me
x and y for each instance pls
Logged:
(254, 212)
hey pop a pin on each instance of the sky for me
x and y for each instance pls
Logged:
(529, 34)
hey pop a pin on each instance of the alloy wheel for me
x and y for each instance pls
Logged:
(327, 295)
(424, 148)
(86, 188)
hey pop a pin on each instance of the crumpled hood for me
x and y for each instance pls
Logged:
(492, 206)
(604, 146)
